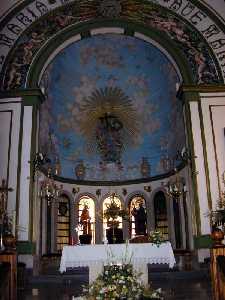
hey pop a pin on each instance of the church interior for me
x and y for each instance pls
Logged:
(112, 140)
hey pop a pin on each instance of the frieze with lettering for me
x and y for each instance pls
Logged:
(46, 21)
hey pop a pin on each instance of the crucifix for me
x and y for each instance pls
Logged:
(4, 189)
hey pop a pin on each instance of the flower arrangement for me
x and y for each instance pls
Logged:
(113, 211)
(119, 282)
(156, 237)
(217, 216)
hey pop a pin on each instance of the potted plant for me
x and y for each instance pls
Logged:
(217, 218)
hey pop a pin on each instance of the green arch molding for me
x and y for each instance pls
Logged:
(84, 31)
(160, 21)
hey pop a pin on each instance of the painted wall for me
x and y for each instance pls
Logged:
(208, 125)
(213, 108)
(117, 75)
(10, 112)
(217, 5)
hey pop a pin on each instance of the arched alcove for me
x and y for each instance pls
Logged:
(161, 214)
(164, 39)
(145, 106)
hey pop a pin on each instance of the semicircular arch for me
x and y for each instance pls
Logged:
(158, 20)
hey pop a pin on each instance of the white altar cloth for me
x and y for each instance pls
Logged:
(96, 256)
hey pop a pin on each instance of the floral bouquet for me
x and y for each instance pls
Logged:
(156, 237)
(119, 282)
(116, 282)
(113, 211)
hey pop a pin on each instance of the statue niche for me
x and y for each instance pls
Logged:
(85, 221)
(140, 218)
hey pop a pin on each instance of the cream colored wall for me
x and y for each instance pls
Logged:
(213, 108)
(10, 111)
(25, 176)
(200, 168)
(15, 160)
(208, 134)
(218, 6)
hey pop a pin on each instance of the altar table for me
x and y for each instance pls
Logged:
(97, 256)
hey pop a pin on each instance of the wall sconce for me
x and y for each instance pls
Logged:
(75, 190)
(147, 188)
(124, 191)
(48, 186)
(176, 186)
(98, 192)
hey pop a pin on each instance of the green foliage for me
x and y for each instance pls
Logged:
(113, 211)
(156, 237)
(119, 282)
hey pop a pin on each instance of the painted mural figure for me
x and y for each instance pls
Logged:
(85, 220)
(140, 218)
(109, 138)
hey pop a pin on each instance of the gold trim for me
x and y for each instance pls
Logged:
(189, 128)
(205, 157)
(202, 88)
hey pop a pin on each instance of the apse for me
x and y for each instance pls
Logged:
(111, 111)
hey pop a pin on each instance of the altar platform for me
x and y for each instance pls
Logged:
(95, 257)
(178, 285)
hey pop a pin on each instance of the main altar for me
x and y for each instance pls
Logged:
(95, 257)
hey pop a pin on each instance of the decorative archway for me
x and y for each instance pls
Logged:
(179, 23)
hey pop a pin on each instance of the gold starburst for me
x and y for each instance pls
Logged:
(108, 101)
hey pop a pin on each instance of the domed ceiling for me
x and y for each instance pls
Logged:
(111, 112)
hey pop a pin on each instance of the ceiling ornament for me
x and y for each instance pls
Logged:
(109, 122)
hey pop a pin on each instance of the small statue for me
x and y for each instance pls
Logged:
(140, 218)
(85, 220)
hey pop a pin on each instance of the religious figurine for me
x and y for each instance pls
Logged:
(85, 220)
(140, 218)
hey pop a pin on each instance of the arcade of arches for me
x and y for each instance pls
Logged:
(102, 104)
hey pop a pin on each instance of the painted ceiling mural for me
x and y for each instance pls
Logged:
(189, 41)
(111, 111)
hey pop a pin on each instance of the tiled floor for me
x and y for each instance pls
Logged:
(192, 285)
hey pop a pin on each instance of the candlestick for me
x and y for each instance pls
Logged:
(14, 222)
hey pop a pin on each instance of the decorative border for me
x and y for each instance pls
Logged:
(115, 183)
(186, 34)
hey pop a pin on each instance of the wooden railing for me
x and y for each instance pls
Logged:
(218, 272)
